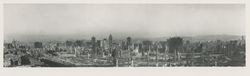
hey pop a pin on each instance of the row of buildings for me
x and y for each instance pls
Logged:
(130, 52)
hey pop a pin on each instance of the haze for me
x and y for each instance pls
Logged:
(122, 20)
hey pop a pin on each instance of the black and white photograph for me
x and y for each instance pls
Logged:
(123, 35)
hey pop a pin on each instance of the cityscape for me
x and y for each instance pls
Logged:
(124, 35)
(110, 52)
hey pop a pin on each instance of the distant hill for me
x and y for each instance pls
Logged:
(203, 38)
(31, 38)
(213, 37)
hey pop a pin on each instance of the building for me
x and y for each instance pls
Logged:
(8, 46)
(110, 43)
(93, 45)
(110, 40)
(38, 45)
(129, 43)
(105, 44)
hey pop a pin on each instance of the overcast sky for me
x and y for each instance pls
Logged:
(138, 20)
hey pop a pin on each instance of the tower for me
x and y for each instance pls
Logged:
(93, 43)
(129, 42)
(110, 39)
(110, 43)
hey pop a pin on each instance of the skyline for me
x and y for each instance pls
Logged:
(136, 20)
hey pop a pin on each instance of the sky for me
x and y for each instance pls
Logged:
(122, 20)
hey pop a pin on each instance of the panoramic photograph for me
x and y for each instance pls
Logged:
(124, 35)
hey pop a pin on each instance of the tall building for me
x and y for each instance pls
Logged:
(98, 42)
(129, 41)
(146, 45)
(110, 39)
(93, 43)
(38, 45)
(110, 43)
(14, 43)
(98, 47)
(141, 49)
(105, 43)
(123, 45)
(242, 38)
(68, 43)
(8, 45)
